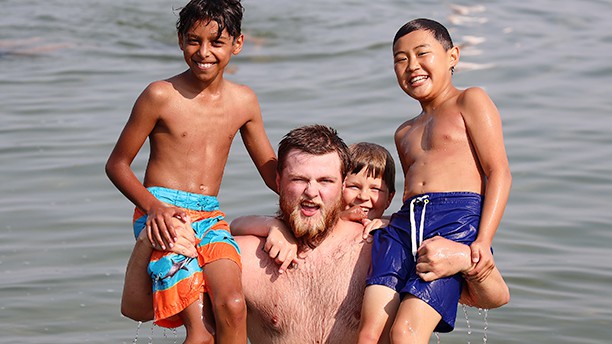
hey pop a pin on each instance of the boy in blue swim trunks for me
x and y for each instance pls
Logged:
(190, 120)
(457, 183)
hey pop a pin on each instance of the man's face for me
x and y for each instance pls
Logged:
(310, 188)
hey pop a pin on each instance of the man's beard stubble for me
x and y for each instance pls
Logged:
(309, 231)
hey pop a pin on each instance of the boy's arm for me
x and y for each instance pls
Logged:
(280, 244)
(439, 257)
(138, 127)
(258, 145)
(484, 127)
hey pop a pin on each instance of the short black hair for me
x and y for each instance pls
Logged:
(226, 13)
(438, 30)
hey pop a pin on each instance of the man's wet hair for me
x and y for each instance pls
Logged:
(316, 140)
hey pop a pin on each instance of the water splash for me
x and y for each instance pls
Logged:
(467, 322)
(137, 332)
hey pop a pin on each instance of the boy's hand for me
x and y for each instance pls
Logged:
(282, 247)
(370, 225)
(354, 213)
(482, 261)
(160, 228)
(185, 242)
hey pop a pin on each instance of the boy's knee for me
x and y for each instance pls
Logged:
(366, 336)
(232, 304)
(403, 334)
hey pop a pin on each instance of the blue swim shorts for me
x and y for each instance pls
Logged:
(452, 215)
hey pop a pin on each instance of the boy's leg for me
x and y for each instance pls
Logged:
(224, 285)
(415, 321)
(380, 304)
(196, 332)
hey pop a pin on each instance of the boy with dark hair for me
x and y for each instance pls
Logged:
(190, 120)
(457, 182)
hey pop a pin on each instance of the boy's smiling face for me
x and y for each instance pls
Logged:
(369, 193)
(421, 64)
(206, 53)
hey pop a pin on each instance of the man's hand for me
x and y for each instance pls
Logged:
(159, 225)
(439, 257)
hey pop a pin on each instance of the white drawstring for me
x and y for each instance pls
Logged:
(415, 244)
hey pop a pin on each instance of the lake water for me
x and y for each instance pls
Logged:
(70, 71)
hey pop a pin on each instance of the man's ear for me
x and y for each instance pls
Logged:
(278, 182)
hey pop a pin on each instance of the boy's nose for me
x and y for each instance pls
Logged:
(204, 51)
(363, 194)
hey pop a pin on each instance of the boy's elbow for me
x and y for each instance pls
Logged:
(109, 167)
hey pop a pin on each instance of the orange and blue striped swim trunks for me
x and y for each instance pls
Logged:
(178, 281)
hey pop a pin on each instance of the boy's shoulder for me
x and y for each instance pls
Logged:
(472, 94)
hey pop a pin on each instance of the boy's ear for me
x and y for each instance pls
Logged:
(453, 56)
(237, 45)
(180, 41)
(389, 200)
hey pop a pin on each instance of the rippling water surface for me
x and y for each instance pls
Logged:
(71, 70)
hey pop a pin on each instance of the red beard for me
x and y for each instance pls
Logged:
(309, 231)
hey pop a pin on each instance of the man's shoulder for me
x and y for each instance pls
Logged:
(350, 230)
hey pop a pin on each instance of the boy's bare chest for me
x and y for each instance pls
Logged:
(445, 132)
(197, 123)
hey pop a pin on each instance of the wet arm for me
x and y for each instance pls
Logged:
(280, 243)
(258, 145)
(439, 257)
(485, 130)
(137, 298)
(141, 123)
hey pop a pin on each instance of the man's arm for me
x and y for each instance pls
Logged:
(137, 298)
(440, 257)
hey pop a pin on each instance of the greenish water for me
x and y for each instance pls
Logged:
(71, 70)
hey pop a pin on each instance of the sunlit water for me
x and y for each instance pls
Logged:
(70, 71)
